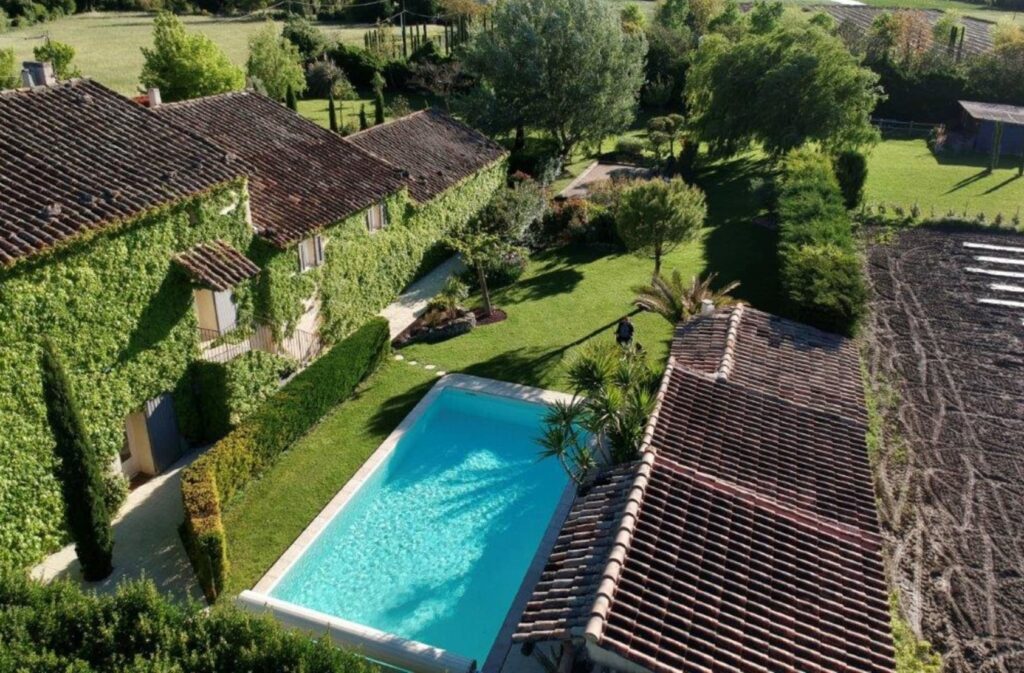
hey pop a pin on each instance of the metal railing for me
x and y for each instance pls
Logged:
(228, 343)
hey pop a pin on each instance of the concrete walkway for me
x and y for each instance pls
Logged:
(413, 302)
(597, 171)
(146, 542)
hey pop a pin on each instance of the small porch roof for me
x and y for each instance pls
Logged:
(216, 265)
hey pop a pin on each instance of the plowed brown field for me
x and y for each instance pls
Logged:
(951, 470)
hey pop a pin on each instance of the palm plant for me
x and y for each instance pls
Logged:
(451, 296)
(676, 301)
(614, 394)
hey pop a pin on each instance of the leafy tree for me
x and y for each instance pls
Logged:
(310, 40)
(765, 16)
(363, 124)
(668, 59)
(614, 391)
(275, 62)
(61, 56)
(632, 18)
(794, 85)
(904, 36)
(674, 300)
(998, 76)
(562, 66)
(80, 472)
(324, 77)
(653, 216)
(378, 98)
(851, 170)
(289, 99)
(441, 78)
(332, 112)
(671, 126)
(8, 76)
(674, 14)
(497, 231)
(184, 65)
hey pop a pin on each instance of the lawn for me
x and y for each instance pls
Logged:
(108, 44)
(905, 172)
(567, 298)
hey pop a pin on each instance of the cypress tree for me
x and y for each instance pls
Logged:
(289, 99)
(363, 125)
(378, 98)
(331, 111)
(80, 472)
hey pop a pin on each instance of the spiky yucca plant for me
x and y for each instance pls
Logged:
(614, 394)
(676, 301)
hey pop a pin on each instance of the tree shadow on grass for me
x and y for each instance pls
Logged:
(967, 182)
(736, 248)
(1002, 184)
(550, 283)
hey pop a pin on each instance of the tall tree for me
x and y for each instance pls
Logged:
(185, 65)
(653, 216)
(275, 62)
(378, 98)
(332, 112)
(80, 472)
(8, 76)
(61, 56)
(565, 67)
(363, 124)
(289, 99)
(794, 85)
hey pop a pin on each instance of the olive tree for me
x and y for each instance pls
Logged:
(565, 67)
(653, 216)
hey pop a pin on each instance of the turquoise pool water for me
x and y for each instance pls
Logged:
(436, 544)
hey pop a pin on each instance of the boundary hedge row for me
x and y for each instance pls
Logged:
(821, 268)
(254, 445)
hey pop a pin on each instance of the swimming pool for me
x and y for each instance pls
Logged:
(434, 544)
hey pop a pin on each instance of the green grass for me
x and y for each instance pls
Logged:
(566, 298)
(905, 172)
(108, 44)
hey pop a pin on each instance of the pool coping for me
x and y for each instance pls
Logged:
(309, 535)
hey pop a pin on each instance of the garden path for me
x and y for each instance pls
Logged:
(413, 301)
(146, 542)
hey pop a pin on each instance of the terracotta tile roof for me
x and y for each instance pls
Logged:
(716, 581)
(795, 455)
(794, 361)
(561, 602)
(217, 265)
(302, 176)
(747, 539)
(433, 149)
(75, 157)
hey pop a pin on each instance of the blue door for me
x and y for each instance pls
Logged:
(164, 439)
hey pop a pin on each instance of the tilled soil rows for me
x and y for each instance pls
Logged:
(951, 468)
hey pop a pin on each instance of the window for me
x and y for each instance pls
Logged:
(376, 218)
(311, 253)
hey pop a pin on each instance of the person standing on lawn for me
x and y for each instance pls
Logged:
(624, 332)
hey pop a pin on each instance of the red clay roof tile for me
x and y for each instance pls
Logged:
(75, 157)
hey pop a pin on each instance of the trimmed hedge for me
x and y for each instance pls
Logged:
(60, 627)
(253, 446)
(820, 265)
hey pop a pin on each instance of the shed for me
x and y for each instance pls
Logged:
(996, 129)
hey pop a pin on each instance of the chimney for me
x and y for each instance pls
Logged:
(36, 73)
(707, 307)
(153, 97)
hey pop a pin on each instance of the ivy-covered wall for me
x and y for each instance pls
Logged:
(121, 316)
(364, 271)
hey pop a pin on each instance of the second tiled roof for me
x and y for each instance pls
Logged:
(302, 176)
(434, 150)
(217, 265)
